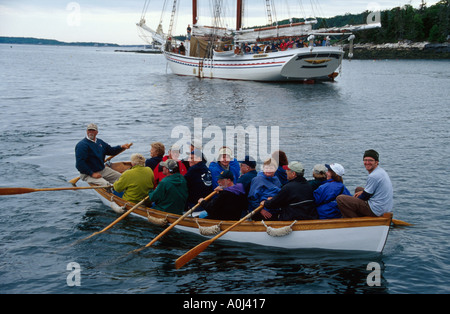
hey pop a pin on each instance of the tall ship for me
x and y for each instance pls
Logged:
(292, 51)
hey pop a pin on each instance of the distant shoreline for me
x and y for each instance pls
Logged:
(400, 50)
(53, 42)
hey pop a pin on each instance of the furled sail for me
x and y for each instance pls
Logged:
(272, 32)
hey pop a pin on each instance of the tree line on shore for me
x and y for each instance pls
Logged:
(400, 23)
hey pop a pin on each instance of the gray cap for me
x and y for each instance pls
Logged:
(170, 164)
(92, 126)
(295, 166)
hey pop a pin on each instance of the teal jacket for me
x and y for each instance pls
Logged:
(170, 195)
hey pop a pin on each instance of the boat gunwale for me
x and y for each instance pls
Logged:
(250, 226)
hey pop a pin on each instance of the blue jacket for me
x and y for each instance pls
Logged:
(261, 188)
(325, 197)
(216, 169)
(246, 179)
(90, 156)
(281, 174)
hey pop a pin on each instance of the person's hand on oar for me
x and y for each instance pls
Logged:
(185, 258)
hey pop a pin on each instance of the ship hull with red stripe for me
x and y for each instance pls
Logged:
(299, 64)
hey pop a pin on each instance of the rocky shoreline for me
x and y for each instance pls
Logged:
(400, 50)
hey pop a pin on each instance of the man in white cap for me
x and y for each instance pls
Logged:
(90, 155)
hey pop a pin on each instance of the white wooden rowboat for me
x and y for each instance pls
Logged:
(353, 234)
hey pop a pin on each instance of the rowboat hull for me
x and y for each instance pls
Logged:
(353, 234)
(291, 65)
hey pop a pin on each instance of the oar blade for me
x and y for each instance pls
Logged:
(186, 257)
(397, 222)
(12, 191)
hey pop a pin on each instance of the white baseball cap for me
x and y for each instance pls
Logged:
(337, 168)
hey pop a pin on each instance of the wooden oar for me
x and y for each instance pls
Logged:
(75, 180)
(397, 222)
(11, 191)
(116, 221)
(174, 224)
(186, 257)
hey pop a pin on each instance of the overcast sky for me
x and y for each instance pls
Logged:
(114, 21)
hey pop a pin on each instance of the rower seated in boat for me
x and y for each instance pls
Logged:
(135, 182)
(263, 186)
(325, 195)
(171, 193)
(90, 155)
(295, 199)
(229, 203)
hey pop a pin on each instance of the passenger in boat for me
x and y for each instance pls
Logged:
(295, 199)
(290, 43)
(172, 192)
(237, 49)
(229, 203)
(188, 31)
(157, 151)
(376, 198)
(282, 161)
(247, 48)
(198, 178)
(135, 182)
(182, 49)
(263, 186)
(90, 155)
(283, 45)
(173, 153)
(320, 176)
(274, 47)
(225, 161)
(256, 48)
(248, 172)
(325, 195)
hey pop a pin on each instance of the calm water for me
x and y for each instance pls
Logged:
(49, 94)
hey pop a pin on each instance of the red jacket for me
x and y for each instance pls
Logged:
(159, 174)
